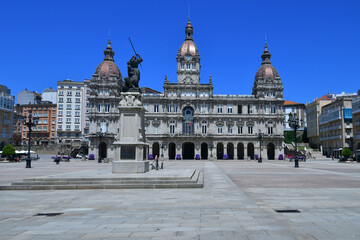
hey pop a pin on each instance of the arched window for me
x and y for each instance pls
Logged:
(203, 127)
(172, 127)
(188, 121)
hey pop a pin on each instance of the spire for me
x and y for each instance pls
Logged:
(189, 31)
(166, 79)
(109, 53)
(266, 54)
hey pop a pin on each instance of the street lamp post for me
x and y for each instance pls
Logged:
(32, 122)
(101, 136)
(260, 136)
(294, 123)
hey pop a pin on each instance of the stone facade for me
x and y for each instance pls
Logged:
(188, 121)
(105, 88)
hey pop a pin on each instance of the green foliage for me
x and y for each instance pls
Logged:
(8, 150)
(305, 138)
(346, 152)
(289, 137)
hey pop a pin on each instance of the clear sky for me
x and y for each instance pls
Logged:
(315, 45)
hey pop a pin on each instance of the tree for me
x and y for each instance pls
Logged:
(346, 153)
(8, 151)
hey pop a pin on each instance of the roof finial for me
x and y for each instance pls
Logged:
(189, 10)
(109, 42)
(265, 41)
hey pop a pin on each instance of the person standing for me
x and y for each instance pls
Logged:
(156, 162)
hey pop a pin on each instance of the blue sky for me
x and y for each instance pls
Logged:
(314, 44)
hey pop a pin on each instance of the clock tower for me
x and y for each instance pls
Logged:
(188, 59)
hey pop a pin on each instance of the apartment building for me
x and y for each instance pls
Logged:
(44, 133)
(335, 127)
(6, 115)
(294, 107)
(313, 111)
(356, 125)
(69, 105)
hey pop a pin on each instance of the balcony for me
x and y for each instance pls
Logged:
(330, 138)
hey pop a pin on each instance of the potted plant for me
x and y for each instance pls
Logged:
(197, 157)
(256, 157)
(225, 157)
(91, 157)
(150, 157)
(281, 157)
(178, 157)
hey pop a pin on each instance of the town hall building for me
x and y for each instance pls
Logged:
(188, 121)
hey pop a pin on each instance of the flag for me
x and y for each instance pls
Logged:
(189, 123)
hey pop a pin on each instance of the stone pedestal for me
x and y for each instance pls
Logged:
(130, 147)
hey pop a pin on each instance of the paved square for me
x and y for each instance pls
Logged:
(237, 202)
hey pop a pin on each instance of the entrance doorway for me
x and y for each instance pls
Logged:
(230, 150)
(102, 150)
(250, 150)
(220, 151)
(156, 149)
(240, 151)
(172, 150)
(204, 151)
(188, 151)
(271, 151)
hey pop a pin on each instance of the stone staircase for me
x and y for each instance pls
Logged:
(192, 180)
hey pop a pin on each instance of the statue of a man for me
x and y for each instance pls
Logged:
(132, 81)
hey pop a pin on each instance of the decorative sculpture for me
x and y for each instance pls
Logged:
(132, 81)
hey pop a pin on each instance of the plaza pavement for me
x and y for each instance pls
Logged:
(237, 202)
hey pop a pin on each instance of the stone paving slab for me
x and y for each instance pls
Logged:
(223, 209)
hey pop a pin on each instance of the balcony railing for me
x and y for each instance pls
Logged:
(330, 138)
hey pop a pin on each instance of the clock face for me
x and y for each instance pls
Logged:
(188, 57)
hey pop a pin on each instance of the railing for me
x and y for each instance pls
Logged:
(330, 128)
(330, 138)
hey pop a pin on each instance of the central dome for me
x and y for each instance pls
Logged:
(108, 67)
(188, 47)
(266, 70)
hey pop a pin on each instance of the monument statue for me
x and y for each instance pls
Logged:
(132, 81)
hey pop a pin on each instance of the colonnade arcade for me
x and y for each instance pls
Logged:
(240, 150)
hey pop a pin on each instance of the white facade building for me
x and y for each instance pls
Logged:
(69, 105)
(49, 95)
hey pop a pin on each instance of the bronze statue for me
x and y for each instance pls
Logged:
(132, 81)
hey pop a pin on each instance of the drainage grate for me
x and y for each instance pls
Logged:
(287, 211)
(48, 214)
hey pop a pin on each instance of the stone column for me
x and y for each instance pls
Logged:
(245, 152)
(235, 152)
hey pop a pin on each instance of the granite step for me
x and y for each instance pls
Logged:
(195, 181)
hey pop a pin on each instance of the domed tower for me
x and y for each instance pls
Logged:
(105, 88)
(267, 80)
(188, 59)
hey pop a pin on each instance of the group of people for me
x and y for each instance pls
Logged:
(155, 163)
